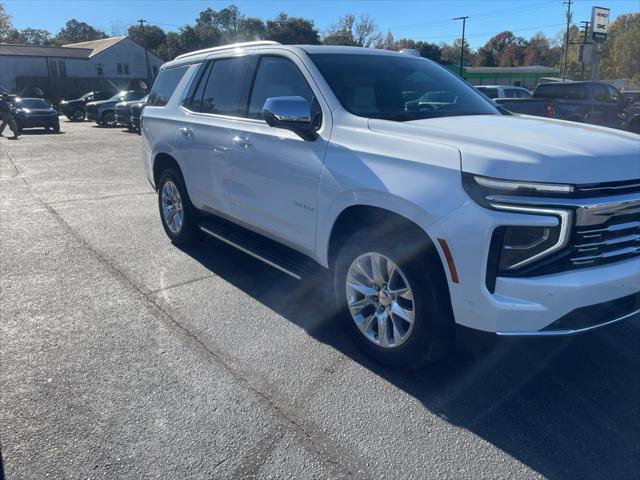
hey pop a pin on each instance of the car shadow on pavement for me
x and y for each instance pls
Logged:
(565, 407)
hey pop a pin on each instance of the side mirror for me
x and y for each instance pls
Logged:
(291, 113)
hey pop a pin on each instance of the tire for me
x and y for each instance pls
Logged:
(108, 119)
(78, 115)
(188, 231)
(432, 332)
(56, 127)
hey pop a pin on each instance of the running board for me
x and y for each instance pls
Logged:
(275, 255)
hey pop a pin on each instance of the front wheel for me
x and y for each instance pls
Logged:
(179, 217)
(392, 300)
(78, 115)
(108, 119)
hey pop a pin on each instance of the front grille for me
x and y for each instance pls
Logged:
(618, 239)
(607, 188)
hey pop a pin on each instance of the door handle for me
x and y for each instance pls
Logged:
(241, 141)
(185, 132)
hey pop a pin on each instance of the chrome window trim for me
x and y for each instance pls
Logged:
(564, 216)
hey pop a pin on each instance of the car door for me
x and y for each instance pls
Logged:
(203, 140)
(274, 174)
(605, 108)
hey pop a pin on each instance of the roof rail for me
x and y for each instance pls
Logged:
(226, 47)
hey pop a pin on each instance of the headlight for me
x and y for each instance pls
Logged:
(523, 244)
(482, 188)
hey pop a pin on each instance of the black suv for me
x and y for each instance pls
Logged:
(103, 112)
(75, 109)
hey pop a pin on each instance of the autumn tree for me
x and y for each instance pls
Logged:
(621, 52)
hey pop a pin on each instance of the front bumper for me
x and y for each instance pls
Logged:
(523, 305)
(38, 121)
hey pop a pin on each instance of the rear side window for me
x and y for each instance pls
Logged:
(510, 93)
(566, 91)
(225, 90)
(490, 92)
(165, 85)
(277, 77)
(522, 94)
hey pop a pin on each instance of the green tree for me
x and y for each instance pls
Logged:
(31, 36)
(292, 30)
(150, 36)
(429, 50)
(450, 54)
(75, 31)
(621, 52)
(171, 47)
(251, 29)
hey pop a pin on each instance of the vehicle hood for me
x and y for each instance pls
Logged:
(522, 147)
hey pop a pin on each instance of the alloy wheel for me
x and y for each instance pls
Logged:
(172, 209)
(380, 300)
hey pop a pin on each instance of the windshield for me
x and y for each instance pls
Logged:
(397, 88)
(119, 96)
(33, 103)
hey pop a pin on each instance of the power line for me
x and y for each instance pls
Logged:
(480, 15)
(490, 33)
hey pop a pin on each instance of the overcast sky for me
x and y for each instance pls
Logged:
(421, 20)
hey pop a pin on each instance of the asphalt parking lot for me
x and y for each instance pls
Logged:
(122, 356)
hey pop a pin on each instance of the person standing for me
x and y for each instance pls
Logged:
(7, 116)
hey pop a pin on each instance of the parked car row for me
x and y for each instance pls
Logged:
(596, 103)
(107, 108)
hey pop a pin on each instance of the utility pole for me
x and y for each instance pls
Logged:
(585, 34)
(146, 53)
(566, 40)
(464, 23)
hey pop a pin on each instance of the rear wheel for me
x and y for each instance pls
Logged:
(392, 301)
(179, 217)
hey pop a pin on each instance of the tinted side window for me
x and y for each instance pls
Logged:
(614, 95)
(277, 77)
(600, 93)
(225, 92)
(522, 94)
(510, 93)
(546, 91)
(164, 86)
(490, 92)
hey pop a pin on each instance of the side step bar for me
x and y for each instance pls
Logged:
(278, 256)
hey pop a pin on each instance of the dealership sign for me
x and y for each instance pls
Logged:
(599, 23)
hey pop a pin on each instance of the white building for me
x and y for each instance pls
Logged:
(116, 60)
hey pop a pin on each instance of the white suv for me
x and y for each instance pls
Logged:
(428, 205)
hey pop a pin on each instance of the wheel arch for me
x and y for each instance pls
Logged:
(360, 216)
(162, 161)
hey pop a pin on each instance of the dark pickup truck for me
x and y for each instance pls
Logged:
(597, 103)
